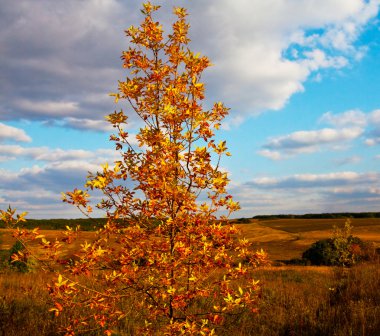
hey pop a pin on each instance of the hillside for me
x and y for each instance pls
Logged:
(286, 239)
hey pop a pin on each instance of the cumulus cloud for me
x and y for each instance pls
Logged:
(315, 180)
(267, 52)
(40, 203)
(48, 108)
(347, 127)
(373, 136)
(305, 193)
(46, 154)
(372, 141)
(37, 189)
(58, 66)
(271, 154)
(100, 125)
(13, 134)
(357, 118)
(307, 141)
(348, 118)
(317, 59)
(348, 160)
(53, 177)
(82, 124)
(69, 53)
(262, 52)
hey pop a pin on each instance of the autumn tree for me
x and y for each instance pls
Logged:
(164, 250)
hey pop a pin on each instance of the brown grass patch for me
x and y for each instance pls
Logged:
(286, 239)
(295, 300)
(283, 239)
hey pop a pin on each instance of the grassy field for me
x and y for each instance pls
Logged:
(285, 239)
(295, 300)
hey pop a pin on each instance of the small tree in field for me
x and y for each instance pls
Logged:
(342, 249)
(164, 251)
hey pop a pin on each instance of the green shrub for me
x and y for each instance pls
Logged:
(29, 264)
(342, 249)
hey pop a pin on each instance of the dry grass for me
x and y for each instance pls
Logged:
(302, 225)
(296, 300)
(286, 239)
(24, 304)
(7, 241)
(310, 301)
(283, 239)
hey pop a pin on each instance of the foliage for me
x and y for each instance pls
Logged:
(19, 257)
(163, 246)
(19, 265)
(295, 301)
(342, 249)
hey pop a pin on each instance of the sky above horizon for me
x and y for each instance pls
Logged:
(301, 77)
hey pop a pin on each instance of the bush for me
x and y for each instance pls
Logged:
(28, 264)
(342, 249)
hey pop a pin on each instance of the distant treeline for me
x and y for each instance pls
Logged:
(321, 216)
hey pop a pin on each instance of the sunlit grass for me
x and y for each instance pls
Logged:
(295, 300)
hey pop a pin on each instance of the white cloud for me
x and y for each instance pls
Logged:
(348, 118)
(307, 142)
(252, 39)
(372, 141)
(37, 189)
(374, 128)
(88, 124)
(348, 160)
(59, 65)
(317, 59)
(5, 158)
(309, 193)
(315, 180)
(348, 126)
(271, 154)
(54, 63)
(374, 117)
(13, 134)
(48, 107)
(45, 154)
(262, 52)
(357, 118)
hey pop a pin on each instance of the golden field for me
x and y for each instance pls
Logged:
(283, 239)
(286, 239)
(295, 300)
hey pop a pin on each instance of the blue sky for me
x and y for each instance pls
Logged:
(301, 78)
